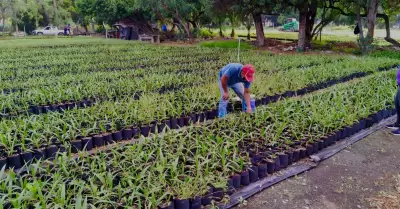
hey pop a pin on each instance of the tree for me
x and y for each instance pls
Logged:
(307, 13)
(347, 8)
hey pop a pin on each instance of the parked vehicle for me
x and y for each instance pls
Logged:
(291, 24)
(48, 30)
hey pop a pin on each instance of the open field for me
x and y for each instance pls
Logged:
(147, 115)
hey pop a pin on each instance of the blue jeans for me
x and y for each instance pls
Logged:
(238, 88)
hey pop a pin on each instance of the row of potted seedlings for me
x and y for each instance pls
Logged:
(87, 143)
(265, 159)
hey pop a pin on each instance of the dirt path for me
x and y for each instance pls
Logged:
(365, 175)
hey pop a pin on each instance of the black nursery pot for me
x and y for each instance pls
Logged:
(283, 159)
(310, 149)
(117, 136)
(218, 193)
(290, 157)
(296, 155)
(87, 143)
(76, 146)
(40, 154)
(181, 122)
(303, 153)
(195, 203)
(206, 199)
(26, 157)
(160, 127)
(271, 166)
(3, 162)
(51, 151)
(107, 138)
(126, 134)
(236, 181)
(145, 130)
(253, 173)
(186, 121)
(277, 164)
(256, 158)
(315, 146)
(245, 178)
(14, 161)
(231, 188)
(262, 170)
(174, 123)
(193, 118)
(182, 204)
(136, 132)
(98, 141)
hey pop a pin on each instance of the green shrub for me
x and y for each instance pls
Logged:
(226, 44)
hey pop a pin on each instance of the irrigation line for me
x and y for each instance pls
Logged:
(302, 166)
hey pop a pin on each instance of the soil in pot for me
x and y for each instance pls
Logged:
(182, 204)
(87, 143)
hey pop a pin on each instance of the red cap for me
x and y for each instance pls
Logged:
(248, 71)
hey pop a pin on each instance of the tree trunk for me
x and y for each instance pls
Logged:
(302, 39)
(311, 14)
(3, 17)
(248, 32)
(387, 26)
(233, 32)
(371, 17)
(360, 23)
(259, 29)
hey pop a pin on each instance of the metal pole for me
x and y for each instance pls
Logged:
(239, 51)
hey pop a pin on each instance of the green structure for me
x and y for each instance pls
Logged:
(291, 24)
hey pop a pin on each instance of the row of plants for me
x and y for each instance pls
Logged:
(15, 102)
(203, 163)
(125, 118)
